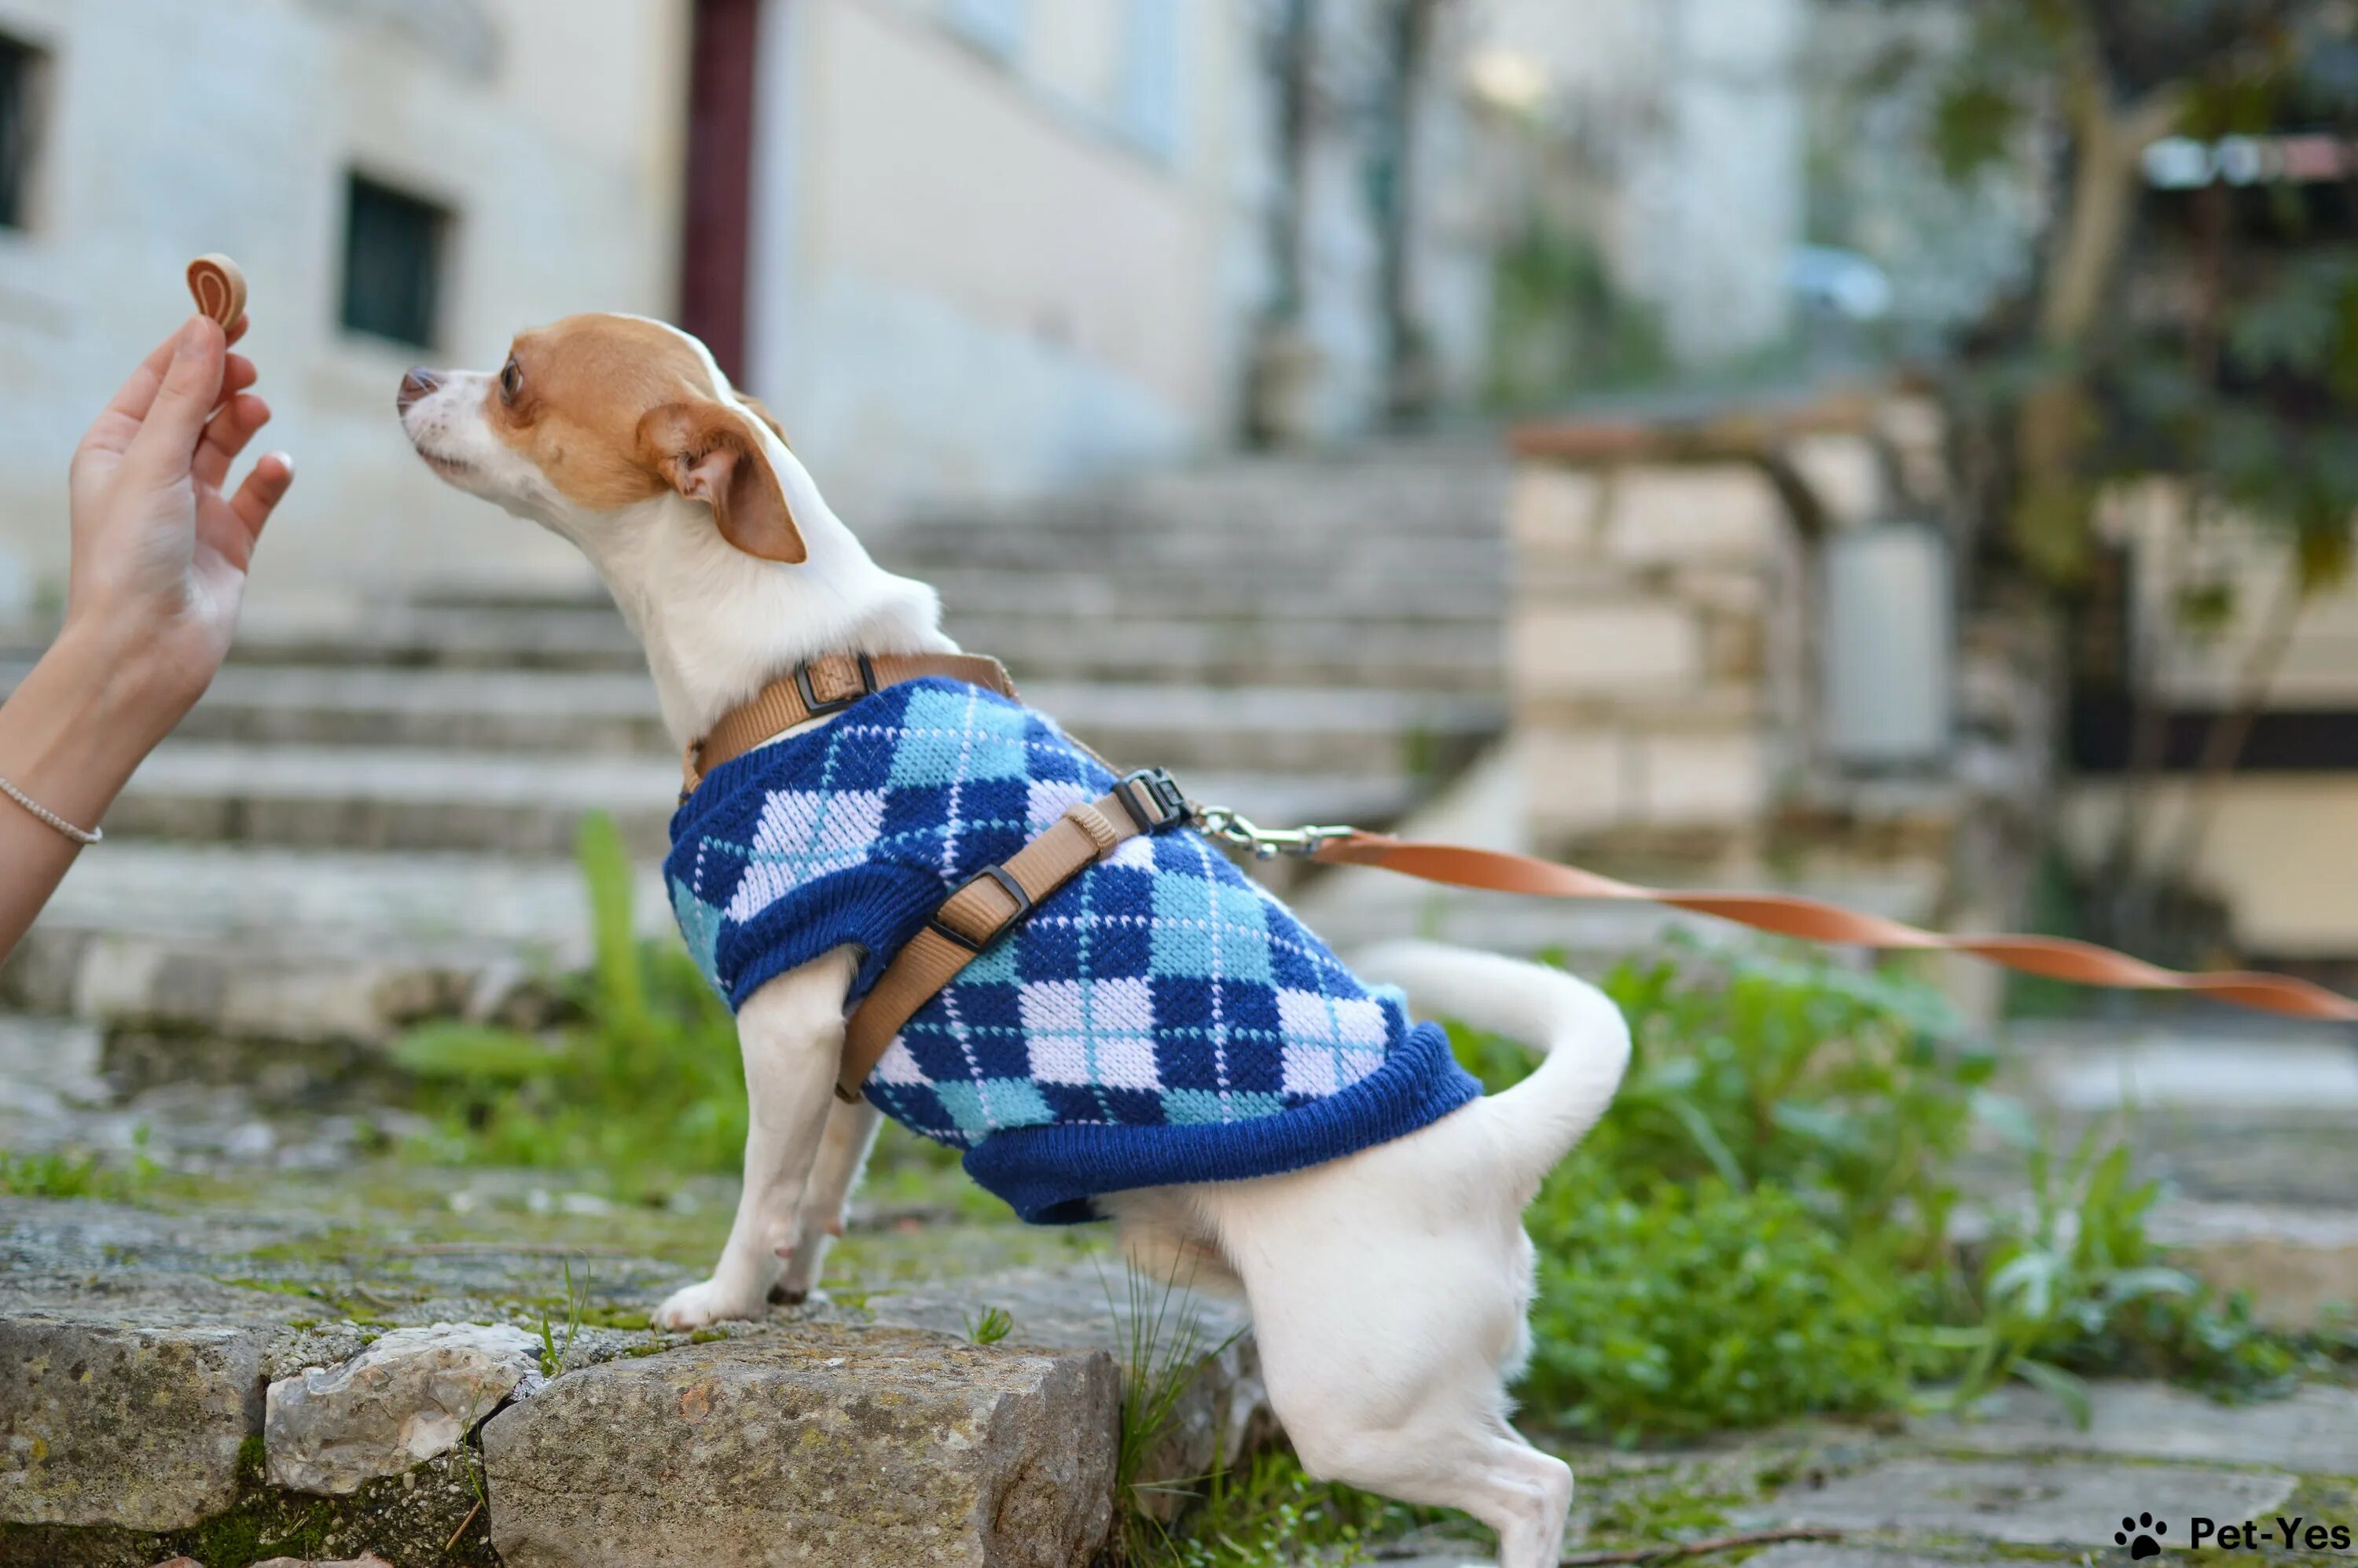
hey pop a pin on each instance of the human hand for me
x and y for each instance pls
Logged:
(161, 546)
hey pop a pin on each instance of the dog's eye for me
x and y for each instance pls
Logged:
(512, 381)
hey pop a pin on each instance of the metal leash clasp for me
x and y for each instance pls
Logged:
(1265, 843)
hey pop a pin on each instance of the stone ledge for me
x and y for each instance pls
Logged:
(856, 1433)
(110, 1423)
(830, 1445)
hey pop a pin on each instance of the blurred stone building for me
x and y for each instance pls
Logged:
(966, 247)
(1669, 134)
(401, 181)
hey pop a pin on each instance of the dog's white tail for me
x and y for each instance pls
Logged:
(1585, 1039)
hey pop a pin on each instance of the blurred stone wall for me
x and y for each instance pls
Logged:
(1668, 660)
(1655, 653)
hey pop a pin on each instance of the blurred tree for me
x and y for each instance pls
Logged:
(1282, 360)
(1362, 80)
(1409, 389)
(2192, 314)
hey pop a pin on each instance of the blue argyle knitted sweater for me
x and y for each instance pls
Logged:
(1159, 1019)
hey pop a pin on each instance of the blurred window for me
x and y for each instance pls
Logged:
(21, 69)
(994, 25)
(1150, 75)
(393, 263)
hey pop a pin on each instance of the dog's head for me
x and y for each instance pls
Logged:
(594, 419)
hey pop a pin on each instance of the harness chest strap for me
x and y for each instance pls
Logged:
(992, 900)
(819, 686)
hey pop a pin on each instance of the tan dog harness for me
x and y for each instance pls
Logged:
(999, 897)
(978, 912)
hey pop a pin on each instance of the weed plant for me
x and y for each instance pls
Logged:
(78, 1174)
(1760, 1225)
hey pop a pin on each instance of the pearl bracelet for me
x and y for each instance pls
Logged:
(77, 835)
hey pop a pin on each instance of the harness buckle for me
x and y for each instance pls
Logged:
(1153, 799)
(820, 710)
(1007, 885)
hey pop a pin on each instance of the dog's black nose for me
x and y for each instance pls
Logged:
(417, 386)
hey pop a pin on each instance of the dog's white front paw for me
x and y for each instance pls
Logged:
(699, 1305)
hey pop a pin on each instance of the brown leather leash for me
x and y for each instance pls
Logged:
(1784, 914)
(997, 898)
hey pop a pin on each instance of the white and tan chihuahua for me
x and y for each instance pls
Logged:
(1388, 1289)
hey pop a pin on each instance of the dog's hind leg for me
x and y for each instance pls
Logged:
(1485, 1469)
(1389, 1290)
(818, 1220)
(791, 1032)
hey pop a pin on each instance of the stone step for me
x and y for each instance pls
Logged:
(1250, 593)
(518, 805)
(1463, 491)
(583, 633)
(1101, 644)
(377, 797)
(1093, 627)
(255, 943)
(279, 712)
(48, 1065)
(595, 712)
(1355, 551)
(1267, 729)
(374, 759)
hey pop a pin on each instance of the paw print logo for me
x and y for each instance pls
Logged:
(2138, 1534)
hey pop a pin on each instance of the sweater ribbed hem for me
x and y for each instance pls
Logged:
(1048, 1174)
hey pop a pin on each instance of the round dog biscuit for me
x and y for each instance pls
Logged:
(219, 288)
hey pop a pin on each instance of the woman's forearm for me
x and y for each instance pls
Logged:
(71, 736)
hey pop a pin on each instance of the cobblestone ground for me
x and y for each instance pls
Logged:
(321, 1272)
(2021, 1484)
(286, 1236)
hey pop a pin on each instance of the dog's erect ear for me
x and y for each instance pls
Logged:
(709, 453)
(761, 410)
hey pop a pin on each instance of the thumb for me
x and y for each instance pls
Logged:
(192, 384)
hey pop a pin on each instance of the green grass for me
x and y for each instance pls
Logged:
(1163, 1350)
(994, 1325)
(1271, 1511)
(642, 1087)
(1760, 1227)
(644, 1083)
(557, 1337)
(65, 1175)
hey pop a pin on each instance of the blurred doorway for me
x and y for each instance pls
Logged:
(716, 224)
